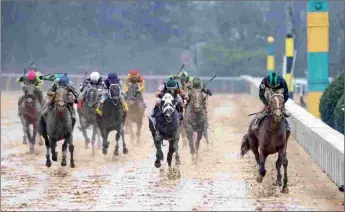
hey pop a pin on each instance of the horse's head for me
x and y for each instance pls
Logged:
(168, 106)
(276, 105)
(92, 96)
(30, 94)
(196, 100)
(114, 93)
(61, 98)
(132, 93)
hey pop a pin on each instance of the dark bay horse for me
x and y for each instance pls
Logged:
(112, 119)
(29, 113)
(87, 116)
(136, 111)
(196, 121)
(167, 128)
(271, 138)
(57, 126)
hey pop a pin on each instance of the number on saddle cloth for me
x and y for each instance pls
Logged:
(167, 100)
(114, 91)
(92, 96)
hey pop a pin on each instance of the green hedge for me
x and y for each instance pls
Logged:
(330, 98)
(339, 115)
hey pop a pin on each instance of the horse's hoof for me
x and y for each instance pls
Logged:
(125, 151)
(116, 152)
(157, 164)
(63, 162)
(32, 150)
(176, 173)
(48, 163)
(54, 157)
(285, 190)
(104, 151)
(40, 142)
(259, 179)
(25, 142)
(72, 164)
(178, 163)
(86, 145)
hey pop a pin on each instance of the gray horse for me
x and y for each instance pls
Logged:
(167, 128)
(136, 111)
(112, 119)
(87, 116)
(57, 125)
(29, 112)
(196, 120)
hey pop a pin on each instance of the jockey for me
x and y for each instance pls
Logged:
(62, 81)
(197, 84)
(184, 79)
(33, 78)
(272, 82)
(170, 87)
(112, 79)
(94, 80)
(134, 77)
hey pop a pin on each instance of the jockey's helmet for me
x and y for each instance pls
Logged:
(94, 77)
(196, 83)
(31, 75)
(273, 80)
(133, 72)
(171, 76)
(113, 77)
(33, 67)
(184, 76)
(63, 81)
(171, 86)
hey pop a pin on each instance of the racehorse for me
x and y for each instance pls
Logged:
(29, 113)
(112, 119)
(87, 116)
(271, 138)
(136, 111)
(57, 125)
(167, 128)
(196, 121)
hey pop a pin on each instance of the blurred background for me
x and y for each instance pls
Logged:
(227, 38)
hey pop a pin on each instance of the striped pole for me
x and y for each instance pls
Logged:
(270, 56)
(318, 47)
(289, 54)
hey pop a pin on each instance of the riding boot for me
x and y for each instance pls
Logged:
(287, 125)
(99, 108)
(257, 121)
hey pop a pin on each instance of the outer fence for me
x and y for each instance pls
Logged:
(324, 144)
(218, 85)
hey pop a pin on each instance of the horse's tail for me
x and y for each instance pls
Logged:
(245, 145)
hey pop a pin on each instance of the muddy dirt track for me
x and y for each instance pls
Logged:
(221, 180)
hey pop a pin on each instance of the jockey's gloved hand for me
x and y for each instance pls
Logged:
(209, 92)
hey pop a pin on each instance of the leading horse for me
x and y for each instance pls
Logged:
(271, 138)
(167, 128)
(29, 113)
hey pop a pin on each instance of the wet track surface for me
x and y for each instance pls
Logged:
(220, 181)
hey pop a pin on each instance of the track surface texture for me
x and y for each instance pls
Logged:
(220, 181)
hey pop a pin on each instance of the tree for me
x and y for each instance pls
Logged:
(339, 115)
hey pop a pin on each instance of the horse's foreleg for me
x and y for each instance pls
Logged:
(105, 144)
(278, 166)
(53, 148)
(285, 165)
(34, 135)
(47, 144)
(71, 149)
(99, 137)
(262, 170)
(83, 128)
(64, 152)
(190, 137)
(205, 133)
(93, 138)
(124, 145)
(117, 138)
(171, 152)
(159, 153)
(176, 149)
(30, 136)
(197, 143)
(24, 130)
(139, 126)
(130, 129)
